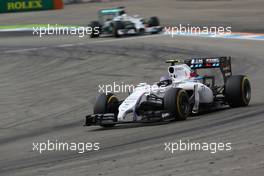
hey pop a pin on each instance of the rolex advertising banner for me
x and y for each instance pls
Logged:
(29, 5)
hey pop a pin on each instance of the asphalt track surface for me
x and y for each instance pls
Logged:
(48, 85)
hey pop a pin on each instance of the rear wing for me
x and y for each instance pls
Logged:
(223, 63)
(111, 11)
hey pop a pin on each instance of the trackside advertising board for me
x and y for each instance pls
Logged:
(29, 5)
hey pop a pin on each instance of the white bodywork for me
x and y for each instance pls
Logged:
(136, 20)
(181, 78)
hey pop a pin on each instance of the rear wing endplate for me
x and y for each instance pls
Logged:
(224, 63)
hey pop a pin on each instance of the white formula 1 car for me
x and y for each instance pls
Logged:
(175, 96)
(116, 22)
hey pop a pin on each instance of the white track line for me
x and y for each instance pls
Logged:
(128, 38)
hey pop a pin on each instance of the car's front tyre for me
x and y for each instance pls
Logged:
(176, 103)
(153, 21)
(106, 104)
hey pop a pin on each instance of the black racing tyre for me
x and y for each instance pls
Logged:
(176, 103)
(116, 26)
(141, 31)
(153, 21)
(106, 104)
(237, 91)
(96, 29)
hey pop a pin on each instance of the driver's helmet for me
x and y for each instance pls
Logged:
(165, 81)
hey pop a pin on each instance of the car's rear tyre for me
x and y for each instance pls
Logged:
(106, 104)
(96, 29)
(117, 26)
(176, 103)
(237, 91)
(153, 21)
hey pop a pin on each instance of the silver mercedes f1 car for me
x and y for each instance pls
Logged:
(178, 94)
(116, 22)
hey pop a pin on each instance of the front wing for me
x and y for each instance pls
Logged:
(110, 118)
(154, 29)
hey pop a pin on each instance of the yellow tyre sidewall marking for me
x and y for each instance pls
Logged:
(110, 98)
(243, 90)
(178, 102)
